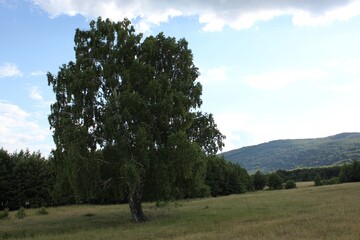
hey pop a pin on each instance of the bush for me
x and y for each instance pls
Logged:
(290, 184)
(350, 173)
(161, 204)
(4, 213)
(334, 180)
(317, 180)
(258, 180)
(21, 213)
(42, 211)
(274, 181)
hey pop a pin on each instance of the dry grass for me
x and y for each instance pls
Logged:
(307, 212)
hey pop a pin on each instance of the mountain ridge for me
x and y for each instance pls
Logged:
(288, 154)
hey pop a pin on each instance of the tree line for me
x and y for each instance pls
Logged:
(309, 174)
(349, 172)
(30, 180)
(26, 179)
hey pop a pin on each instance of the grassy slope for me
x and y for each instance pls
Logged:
(327, 212)
(298, 153)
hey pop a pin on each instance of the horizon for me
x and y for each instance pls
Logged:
(270, 71)
(290, 139)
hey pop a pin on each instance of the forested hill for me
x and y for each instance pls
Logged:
(298, 153)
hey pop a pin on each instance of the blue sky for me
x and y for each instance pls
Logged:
(270, 69)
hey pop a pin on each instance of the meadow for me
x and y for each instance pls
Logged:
(307, 212)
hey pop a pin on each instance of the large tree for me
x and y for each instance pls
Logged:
(128, 106)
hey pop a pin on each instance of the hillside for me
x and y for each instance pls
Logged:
(298, 153)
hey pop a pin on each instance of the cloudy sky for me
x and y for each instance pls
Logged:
(270, 70)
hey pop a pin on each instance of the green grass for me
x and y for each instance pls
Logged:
(307, 212)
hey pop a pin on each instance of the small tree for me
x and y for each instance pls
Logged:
(290, 184)
(274, 181)
(258, 180)
(317, 180)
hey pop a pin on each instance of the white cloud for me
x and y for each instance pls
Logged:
(35, 94)
(280, 79)
(18, 130)
(347, 88)
(212, 22)
(38, 73)
(233, 126)
(217, 74)
(214, 14)
(341, 13)
(245, 130)
(9, 70)
(349, 66)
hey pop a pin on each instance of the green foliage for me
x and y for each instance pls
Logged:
(309, 174)
(8, 181)
(34, 179)
(258, 180)
(226, 178)
(205, 133)
(25, 179)
(317, 180)
(42, 211)
(20, 213)
(350, 172)
(334, 180)
(4, 213)
(301, 153)
(274, 181)
(289, 184)
(161, 204)
(126, 119)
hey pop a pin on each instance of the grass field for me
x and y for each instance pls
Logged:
(326, 212)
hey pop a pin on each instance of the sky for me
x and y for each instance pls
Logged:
(280, 69)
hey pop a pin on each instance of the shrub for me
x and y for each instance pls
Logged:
(4, 213)
(258, 180)
(274, 181)
(290, 184)
(42, 211)
(350, 173)
(334, 180)
(21, 213)
(161, 204)
(317, 180)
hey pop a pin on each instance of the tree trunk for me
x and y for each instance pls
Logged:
(135, 205)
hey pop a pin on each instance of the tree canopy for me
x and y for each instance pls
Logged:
(259, 180)
(26, 179)
(128, 106)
